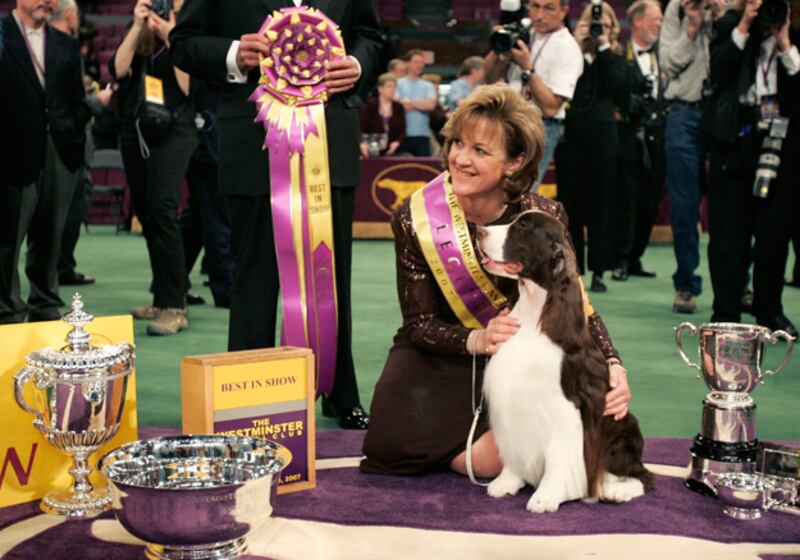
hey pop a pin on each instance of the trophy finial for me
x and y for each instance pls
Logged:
(78, 338)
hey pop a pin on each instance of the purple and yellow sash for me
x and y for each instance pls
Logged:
(443, 235)
(291, 99)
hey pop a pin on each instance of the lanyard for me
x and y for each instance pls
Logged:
(158, 53)
(770, 60)
(39, 64)
(539, 52)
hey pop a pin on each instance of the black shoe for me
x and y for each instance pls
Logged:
(44, 315)
(354, 418)
(194, 299)
(793, 282)
(598, 285)
(620, 274)
(75, 279)
(779, 323)
(641, 273)
(747, 302)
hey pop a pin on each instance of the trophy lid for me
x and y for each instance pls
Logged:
(80, 355)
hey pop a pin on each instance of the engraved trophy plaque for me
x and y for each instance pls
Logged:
(730, 356)
(80, 397)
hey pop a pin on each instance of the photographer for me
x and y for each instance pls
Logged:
(754, 112)
(544, 67)
(586, 163)
(683, 53)
(641, 144)
(157, 141)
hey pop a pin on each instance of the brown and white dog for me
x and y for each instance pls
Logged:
(546, 385)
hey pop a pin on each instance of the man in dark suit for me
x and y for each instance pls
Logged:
(43, 114)
(640, 181)
(219, 42)
(755, 70)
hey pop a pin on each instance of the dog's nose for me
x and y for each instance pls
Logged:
(482, 232)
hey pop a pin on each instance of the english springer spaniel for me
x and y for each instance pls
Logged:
(546, 386)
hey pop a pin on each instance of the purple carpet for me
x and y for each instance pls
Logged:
(445, 501)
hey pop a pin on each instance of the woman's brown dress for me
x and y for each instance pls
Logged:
(422, 408)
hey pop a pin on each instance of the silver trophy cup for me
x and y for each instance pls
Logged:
(78, 407)
(730, 356)
(194, 497)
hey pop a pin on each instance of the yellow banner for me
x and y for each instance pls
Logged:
(252, 384)
(29, 466)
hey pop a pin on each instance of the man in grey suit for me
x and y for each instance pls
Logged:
(219, 42)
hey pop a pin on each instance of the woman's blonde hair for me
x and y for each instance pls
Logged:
(517, 119)
(385, 78)
(613, 35)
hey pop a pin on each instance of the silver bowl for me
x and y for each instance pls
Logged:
(194, 497)
(742, 494)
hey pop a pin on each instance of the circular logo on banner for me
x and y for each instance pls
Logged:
(396, 183)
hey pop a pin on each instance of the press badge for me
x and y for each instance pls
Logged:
(153, 90)
(769, 109)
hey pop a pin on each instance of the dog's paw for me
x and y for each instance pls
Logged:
(542, 503)
(505, 485)
(618, 490)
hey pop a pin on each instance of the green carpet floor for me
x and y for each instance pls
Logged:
(666, 396)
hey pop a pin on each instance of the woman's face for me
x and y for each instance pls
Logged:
(387, 90)
(478, 161)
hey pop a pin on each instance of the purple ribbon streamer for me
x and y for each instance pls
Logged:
(293, 331)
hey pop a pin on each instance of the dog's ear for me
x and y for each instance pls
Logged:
(512, 267)
(558, 261)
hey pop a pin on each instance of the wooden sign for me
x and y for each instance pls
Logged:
(266, 393)
(29, 466)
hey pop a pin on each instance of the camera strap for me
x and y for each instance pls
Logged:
(539, 52)
(770, 60)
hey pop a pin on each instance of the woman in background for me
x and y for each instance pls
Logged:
(156, 158)
(586, 162)
(384, 115)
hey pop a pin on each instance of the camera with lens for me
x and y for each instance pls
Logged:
(643, 108)
(596, 27)
(773, 12)
(161, 8)
(507, 36)
(769, 162)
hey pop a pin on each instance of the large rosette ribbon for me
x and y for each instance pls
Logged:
(290, 99)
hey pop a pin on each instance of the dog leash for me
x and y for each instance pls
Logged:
(476, 412)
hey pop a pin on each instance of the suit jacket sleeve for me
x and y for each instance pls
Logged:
(365, 39)
(194, 48)
(726, 56)
(613, 76)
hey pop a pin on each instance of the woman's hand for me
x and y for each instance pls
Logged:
(364, 149)
(749, 15)
(160, 26)
(141, 11)
(581, 31)
(619, 396)
(392, 147)
(499, 330)
(782, 34)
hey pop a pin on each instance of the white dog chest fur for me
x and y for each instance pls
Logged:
(538, 431)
